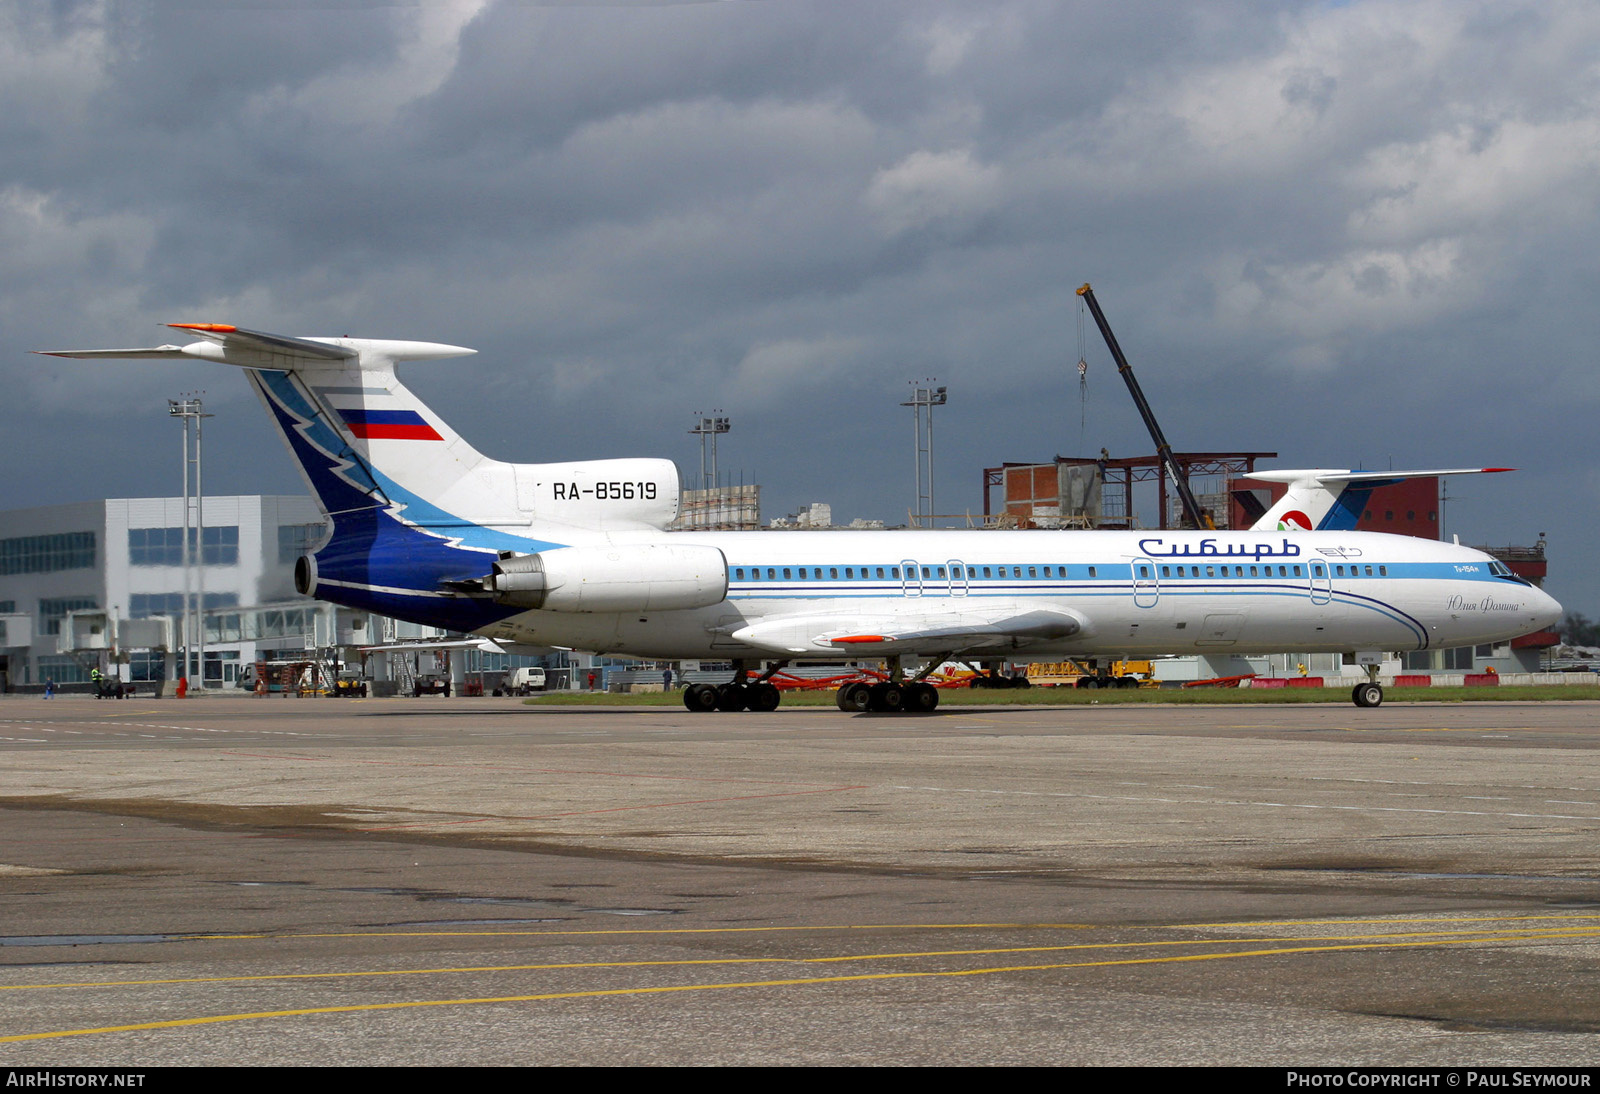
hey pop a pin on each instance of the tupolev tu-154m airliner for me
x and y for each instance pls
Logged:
(577, 556)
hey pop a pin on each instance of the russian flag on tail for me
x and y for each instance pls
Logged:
(389, 425)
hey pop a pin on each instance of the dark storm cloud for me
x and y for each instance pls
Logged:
(1348, 232)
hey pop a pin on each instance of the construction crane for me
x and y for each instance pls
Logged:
(1193, 515)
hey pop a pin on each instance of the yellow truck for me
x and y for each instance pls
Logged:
(1078, 674)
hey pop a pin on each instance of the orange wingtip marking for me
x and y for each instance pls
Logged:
(216, 328)
(860, 638)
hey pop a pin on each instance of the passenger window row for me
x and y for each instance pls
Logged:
(1009, 572)
(892, 573)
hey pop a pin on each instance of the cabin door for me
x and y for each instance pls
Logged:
(1146, 585)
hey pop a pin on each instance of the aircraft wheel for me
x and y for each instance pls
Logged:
(765, 697)
(854, 698)
(1367, 695)
(733, 697)
(886, 698)
(922, 698)
(700, 698)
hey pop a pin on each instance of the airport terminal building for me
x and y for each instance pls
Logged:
(123, 557)
(102, 584)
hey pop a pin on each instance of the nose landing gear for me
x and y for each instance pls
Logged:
(1370, 693)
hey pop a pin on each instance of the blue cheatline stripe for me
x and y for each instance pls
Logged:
(792, 591)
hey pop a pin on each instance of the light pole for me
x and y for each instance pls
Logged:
(924, 399)
(709, 428)
(189, 409)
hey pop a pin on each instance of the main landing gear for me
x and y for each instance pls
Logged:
(1370, 693)
(737, 694)
(895, 695)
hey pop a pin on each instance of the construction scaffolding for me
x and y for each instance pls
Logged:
(1088, 492)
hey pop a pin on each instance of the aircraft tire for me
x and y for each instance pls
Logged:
(700, 698)
(732, 698)
(922, 698)
(854, 698)
(1367, 695)
(764, 697)
(886, 698)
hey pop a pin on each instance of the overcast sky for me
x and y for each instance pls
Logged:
(1357, 234)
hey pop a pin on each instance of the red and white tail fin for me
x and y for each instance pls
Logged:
(1333, 500)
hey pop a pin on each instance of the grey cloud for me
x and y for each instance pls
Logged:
(1346, 232)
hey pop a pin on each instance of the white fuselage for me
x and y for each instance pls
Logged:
(796, 594)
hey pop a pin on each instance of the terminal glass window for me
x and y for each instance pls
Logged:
(47, 554)
(164, 546)
(283, 623)
(63, 670)
(155, 546)
(146, 665)
(221, 546)
(54, 610)
(145, 605)
(295, 540)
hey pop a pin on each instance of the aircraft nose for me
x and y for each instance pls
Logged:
(1548, 610)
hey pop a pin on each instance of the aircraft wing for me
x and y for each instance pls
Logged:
(487, 645)
(909, 634)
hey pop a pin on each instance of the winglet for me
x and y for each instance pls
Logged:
(215, 328)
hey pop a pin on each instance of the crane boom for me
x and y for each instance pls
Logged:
(1192, 513)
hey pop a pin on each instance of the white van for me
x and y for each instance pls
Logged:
(524, 681)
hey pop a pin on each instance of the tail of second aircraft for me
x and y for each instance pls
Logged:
(418, 516)
(1329, 500)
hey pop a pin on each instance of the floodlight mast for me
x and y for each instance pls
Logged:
(1193, 515)
(190, 409)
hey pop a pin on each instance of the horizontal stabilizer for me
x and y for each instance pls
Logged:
(156, 353)
(255, 349)
(1324, 475)
(1332, 500)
